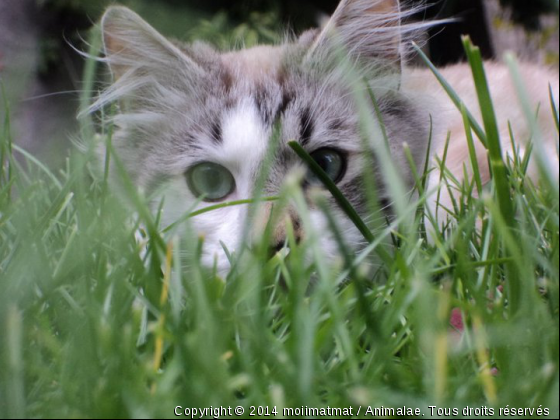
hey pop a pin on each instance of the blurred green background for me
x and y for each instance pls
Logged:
(41, 70)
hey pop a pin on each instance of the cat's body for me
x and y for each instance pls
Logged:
(194, 119)
(448, 120)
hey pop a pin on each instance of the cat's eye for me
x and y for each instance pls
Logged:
(211, 181)
(331, 161)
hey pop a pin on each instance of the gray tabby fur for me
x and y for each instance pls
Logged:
(181, 105)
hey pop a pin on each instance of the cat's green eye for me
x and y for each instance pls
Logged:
(331, 161)
(210, 180)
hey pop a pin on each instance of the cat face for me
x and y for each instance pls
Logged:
(195, 125)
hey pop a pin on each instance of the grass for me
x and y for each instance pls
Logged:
(97, 322)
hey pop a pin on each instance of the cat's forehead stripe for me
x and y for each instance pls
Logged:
(216, 132)
(287, 98)
(273, 101)
(243, 135)
(264, 100)
(307, 126)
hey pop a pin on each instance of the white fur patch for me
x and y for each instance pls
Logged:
(244, 143)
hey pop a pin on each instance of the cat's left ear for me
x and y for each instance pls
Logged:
(369, 30)
(135, 49)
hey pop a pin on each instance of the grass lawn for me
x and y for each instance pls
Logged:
(99, 321)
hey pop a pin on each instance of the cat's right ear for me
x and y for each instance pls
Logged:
(370, 31)
(134, 48)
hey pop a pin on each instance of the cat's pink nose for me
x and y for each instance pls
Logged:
(277, 248)
(280, 240)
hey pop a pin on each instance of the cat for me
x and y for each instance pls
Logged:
(199, 121)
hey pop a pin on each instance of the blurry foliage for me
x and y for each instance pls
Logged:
(528, 13)
(300, 12)
(237, 23)
(218, 30)
(234, 24)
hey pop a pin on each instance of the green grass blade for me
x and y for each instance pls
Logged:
(493, 143)
(554, 107)
(215, 207)
(452, 94)
(87, 129)
(472, 152)
(544, 162)
(32, 159)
